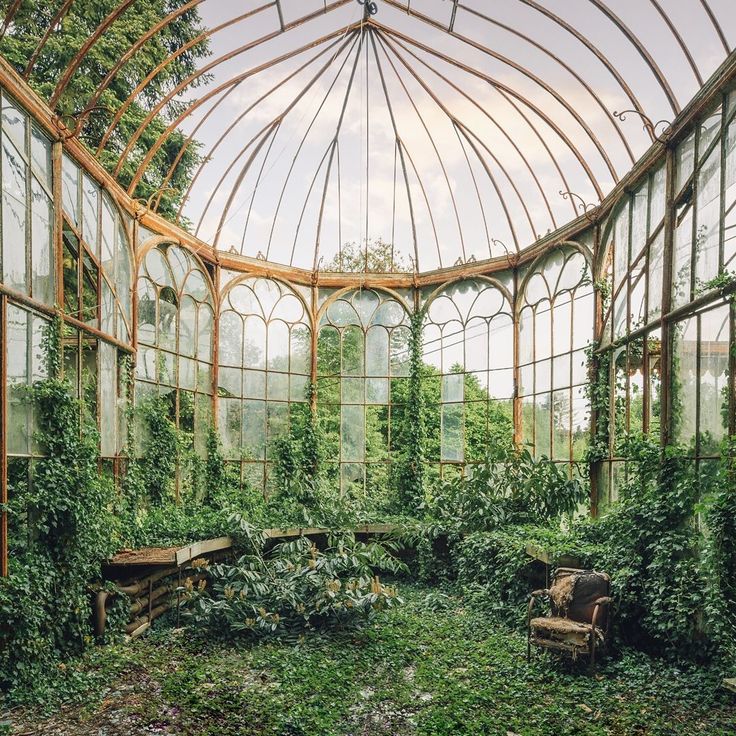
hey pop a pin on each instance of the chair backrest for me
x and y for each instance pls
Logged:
(574, 592)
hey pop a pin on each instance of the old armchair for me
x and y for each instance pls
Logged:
(578, 623)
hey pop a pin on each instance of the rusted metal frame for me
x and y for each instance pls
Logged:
(271, 126)
(399, 147)
(128, 55)
(716, 25)
(75, 63)
(357, 37)
(545, 50)
(426, 129)
(642, 51)
(332, 147)
(694, 204)
(63, 9)
(215, 348)
(216, 145)
(163, 64)
(516, 352)
(667, 263)
(525, 72)
(595, 469)
(501, 87)
(680, 42)
(722, 213)
(161, 104)
(499, 127)
(9, 15)
(732, 377)
(626, 282)
(593, 49)
(3, 435)
(229, 84)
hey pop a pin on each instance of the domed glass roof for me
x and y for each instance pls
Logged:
(438, 131)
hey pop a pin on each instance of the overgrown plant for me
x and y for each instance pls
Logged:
(510, 487)
(295, 587)
(44, 602)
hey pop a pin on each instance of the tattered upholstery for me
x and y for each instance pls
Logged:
(576, 596)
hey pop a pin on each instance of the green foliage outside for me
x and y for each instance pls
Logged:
(82, 19)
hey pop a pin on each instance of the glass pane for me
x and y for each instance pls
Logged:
(41, 244)
(90, 208)
(352, 433)
(69, 188)
(17, 356)
(452, 433)
(108, 399)
(14, 218)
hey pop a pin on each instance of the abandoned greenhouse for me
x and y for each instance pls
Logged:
(367, 367)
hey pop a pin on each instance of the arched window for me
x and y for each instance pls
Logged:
(555, 324)
(175, 319)
(468, 372)
(362, 369)
(264, 356)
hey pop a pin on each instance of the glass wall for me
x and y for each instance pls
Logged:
(556, 315)
(468, 376)
(175, 328)
(265, 344)
(27, 205)
(362, 369)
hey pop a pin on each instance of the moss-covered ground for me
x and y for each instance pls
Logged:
(437, 665)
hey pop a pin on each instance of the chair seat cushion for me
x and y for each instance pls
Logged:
(563, 629)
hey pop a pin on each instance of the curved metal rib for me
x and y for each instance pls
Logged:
(247, 145)
(463, 128)
(161, 104)
(60, 13)
(208, 156)
(641, 49)
(500, 128)
(509, 90)
(74, 64)
(527, 73)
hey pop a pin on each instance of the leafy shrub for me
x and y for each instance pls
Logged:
(496, 567)
(511, 487)
(71, 528)
(295, 587)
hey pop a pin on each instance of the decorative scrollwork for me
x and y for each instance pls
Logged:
(511, 258)
(371, 7)
(649, 126)
(584, 208)
(71, 124)
(144, 205)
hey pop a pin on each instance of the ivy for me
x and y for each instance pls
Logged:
(44, 602)
(410, 477)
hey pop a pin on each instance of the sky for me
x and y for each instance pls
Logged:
(451, 146)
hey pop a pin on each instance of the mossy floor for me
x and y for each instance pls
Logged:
(416, 671)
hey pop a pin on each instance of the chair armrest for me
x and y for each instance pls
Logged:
(604, 601)
(532, 599)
